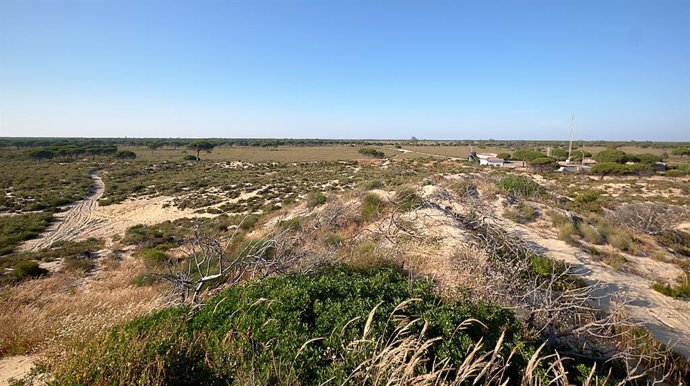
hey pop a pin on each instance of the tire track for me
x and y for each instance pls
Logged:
(71, 223)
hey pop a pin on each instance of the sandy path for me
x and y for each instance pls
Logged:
(14, 367)
(71, 222)
(666, 318)
(87, 218)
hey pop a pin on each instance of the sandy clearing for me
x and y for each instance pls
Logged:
(14, 367)
(666, 318)
(87, 218)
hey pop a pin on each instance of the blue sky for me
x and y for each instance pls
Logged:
(346, 69)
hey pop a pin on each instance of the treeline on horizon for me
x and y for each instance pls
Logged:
(93, 143)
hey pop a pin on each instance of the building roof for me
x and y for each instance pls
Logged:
(494, 159)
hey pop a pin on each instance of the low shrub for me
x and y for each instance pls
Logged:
(591, 234)
(78, 264)
(680, 291)
(407, 199)
(521, 186)
(15, 229)
(332, 239)
(145, 279)
(677, 240)
(371, 152)
(566, 231)
(523, 213)
(372, 205)
(154, 257)
(621, 240)
(315, 198)
(190, 157)
(373, 184)
(27, 269)
(614, 260)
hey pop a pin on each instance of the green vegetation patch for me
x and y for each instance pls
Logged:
(15, 229)
(293, 329)
(521, 186)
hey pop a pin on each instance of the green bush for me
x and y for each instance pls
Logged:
(315, 198)
(621, 240)
(371, 152)
(677, 240)
(523, 213)
(407, 199)
(27, 269)
(680, 291)
(587, 197)
(371, 207)
(566, 231)
(125, 154)
(521, 186)
(292, 329)
(615, 261)
(190, 157)
(78, 263)
(609, 168)
(611, 156)
(154, 257)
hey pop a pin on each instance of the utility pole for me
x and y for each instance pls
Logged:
(570, 146)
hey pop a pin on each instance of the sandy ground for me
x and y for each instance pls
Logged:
(87, 218)
(14, 367)
(69, 223)
(666, 318)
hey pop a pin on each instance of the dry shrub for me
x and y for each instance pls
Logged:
(648, 217)
(591, 234)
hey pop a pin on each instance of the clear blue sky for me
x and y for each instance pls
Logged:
(346, 69)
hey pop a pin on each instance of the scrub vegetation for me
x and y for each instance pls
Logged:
(356, 262)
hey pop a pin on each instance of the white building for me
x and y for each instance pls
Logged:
(491, 161)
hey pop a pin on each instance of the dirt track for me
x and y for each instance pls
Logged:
(70, 223)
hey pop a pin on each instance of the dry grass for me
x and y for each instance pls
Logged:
(41, 313)
(257, 155)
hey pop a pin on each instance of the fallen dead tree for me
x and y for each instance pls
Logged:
(210, 259)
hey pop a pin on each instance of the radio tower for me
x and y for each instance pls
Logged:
(570, 146)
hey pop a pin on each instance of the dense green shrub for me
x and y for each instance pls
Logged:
(611, 155)
(371, 152)
(125, 154)
(371, 207)
(332, 239)
(610, 168)
(544, 164)
(527, 155)
(154, 257)
(190, 157)
(521, 186)
(27, 269)
(78, 263)
(291, 330)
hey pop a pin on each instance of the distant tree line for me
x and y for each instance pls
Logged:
(678, 148)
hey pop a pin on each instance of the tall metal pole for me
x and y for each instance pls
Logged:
(570, 146)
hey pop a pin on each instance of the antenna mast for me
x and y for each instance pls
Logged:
(570, 146)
